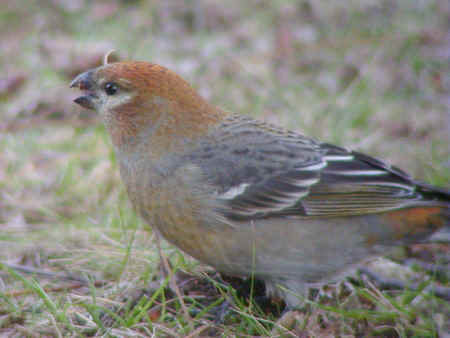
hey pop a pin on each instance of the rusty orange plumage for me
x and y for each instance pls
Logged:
(248, 197)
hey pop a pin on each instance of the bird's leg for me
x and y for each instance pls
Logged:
(167, 272)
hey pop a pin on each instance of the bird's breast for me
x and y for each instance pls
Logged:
(166, 199)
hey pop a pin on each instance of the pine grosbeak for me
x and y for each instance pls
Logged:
(248, 197)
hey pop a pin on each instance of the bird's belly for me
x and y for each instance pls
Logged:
(306, 251)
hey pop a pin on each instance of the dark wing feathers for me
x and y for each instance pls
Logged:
(353, 183)
(263, 171)
(273, 195)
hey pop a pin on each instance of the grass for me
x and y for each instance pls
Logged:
(361, 74)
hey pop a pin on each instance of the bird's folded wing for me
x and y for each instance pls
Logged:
(263, 172)
(352, 183)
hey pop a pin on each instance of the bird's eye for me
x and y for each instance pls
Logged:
(111, 88)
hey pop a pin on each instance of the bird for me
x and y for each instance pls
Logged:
(247, 197)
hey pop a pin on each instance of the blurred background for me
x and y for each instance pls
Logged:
(371, 75)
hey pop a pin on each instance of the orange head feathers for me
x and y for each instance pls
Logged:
(134, 97)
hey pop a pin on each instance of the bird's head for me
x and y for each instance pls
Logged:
(137, 98)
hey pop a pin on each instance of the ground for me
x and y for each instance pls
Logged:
(370, 75)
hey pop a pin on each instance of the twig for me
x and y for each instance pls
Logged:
(46, 289)
(429, 267)
(45, 273)
(82, 281)
(395, 284)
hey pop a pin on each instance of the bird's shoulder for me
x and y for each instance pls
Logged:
(242, 150)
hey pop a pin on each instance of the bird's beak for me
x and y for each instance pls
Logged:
(85, 83)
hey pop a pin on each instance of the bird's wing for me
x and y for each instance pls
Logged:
(260, 171)
(352, 183)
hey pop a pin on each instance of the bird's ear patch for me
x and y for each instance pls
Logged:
(107, 54)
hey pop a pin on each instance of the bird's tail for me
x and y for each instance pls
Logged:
(432, 193)
(430, 216)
